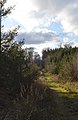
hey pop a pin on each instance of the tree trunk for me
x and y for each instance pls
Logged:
(0, 28)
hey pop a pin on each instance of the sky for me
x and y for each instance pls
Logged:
(44, 23)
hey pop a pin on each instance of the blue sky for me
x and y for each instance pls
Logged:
(44, 24)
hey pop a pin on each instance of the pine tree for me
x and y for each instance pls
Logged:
(3, 12)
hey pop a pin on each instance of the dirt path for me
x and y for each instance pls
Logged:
(66, 103)
(53, 102)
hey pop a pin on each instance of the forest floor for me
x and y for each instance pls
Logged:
(65, 97)
(54, 100)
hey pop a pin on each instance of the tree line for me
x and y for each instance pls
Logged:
(23, 92)
(18, 67)
(62, 61)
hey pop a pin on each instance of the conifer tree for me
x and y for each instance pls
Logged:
(3, 12)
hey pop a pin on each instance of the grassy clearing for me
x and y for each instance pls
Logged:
(61, 86)
(65, 96)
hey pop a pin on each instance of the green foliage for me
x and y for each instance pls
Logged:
(65, 70)
(18, 70)
(20, 90)
(4, 12)
(63, 61)
(69, 69)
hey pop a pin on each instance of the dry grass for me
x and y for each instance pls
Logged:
(69, 86)
(65, 96)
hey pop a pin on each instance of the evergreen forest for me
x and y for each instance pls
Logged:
(35, 88)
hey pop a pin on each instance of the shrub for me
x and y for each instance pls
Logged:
(75, 68)
(69, 69)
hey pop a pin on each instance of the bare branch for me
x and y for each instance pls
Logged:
(7, 11)
(2, 3)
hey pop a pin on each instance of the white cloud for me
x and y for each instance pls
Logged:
(40, 47)
(37, 15)
(21, 13)
(38, 36)
(65, 10)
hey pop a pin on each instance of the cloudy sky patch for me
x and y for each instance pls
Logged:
(45, 22)
(38, 36)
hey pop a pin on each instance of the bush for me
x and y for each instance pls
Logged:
(69, 69)
(75, 68)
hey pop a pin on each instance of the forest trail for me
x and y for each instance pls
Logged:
(57, 102)
(66, 102)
